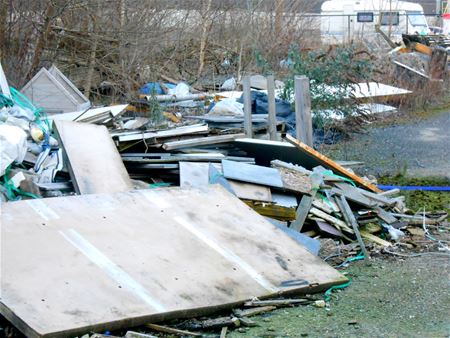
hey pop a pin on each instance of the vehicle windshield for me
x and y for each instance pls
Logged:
(417, 19)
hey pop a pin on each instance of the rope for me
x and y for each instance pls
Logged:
(327, 295)
(414, 187)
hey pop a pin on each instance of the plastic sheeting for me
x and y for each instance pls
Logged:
(13, 146)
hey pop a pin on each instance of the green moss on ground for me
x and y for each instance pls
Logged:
(417, 200)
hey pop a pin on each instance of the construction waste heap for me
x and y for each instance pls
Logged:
(114, 220)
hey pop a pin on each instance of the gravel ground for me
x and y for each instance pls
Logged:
(421, 147)
(388, 298)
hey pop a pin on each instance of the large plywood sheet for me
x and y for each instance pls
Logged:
(84, 263)
(94, 163)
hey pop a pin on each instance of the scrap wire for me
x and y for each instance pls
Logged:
(428, 235)
(417, 254)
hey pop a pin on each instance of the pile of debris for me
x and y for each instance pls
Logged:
(164, 195)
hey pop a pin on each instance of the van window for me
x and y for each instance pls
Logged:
(416, 19)
(390, 18)
(365, 17)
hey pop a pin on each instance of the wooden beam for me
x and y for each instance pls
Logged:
(303, 118)
(348, 215)
(201, 141)
(177, 332)
(247, 107)
(272, 120)
(302, 212)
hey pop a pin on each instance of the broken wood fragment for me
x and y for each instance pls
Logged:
(223, 332)
(375, 239)
(132, 334)
(302, 212)
(337, 222)
(167, 329)
(247, 322)
(348, 215)
(201, 141)
(253, 312)
(277, 302)
(220, 322)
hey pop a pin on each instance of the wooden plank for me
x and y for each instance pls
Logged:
(340, 224)
(272, 210)
(254, 312)
(247, 107)
(302, 212)
(303, 118)
(201, 141)
(385, 216)
(389, 192)
(131, 251)
(252, 173)
(223, 332)
(277, 302)
(272, 120)
(328, 163)
(352, 194)
(174, 132)
(249, 191)
(378, 198)
(348, 214)
(375, 239)
(95, 165)
(166, 329)
(194, 174)
(328, 229)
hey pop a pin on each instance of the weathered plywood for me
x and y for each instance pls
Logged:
(76, 264)
(194, 174)
(94, 163)
(250, 191)
(252, 173)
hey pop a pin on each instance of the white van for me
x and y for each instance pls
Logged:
(346, 20)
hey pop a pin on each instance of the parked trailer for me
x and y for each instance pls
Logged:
(346, 20)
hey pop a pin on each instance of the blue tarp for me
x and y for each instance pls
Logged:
(155, 88)
(283, 108)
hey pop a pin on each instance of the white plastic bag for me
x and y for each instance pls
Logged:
(181, 90)
(13, 146)
(228, 107)
(229, 84)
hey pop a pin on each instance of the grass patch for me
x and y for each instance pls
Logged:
(417, 200)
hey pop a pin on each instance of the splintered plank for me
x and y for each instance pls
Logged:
(132, 258)
(252, 173)
(95, 165)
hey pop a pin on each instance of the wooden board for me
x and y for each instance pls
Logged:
(94, 163)
(201, 141)
(252, 173)
(73, 265)
(295, 152)
(194, 174)
(249, 191)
